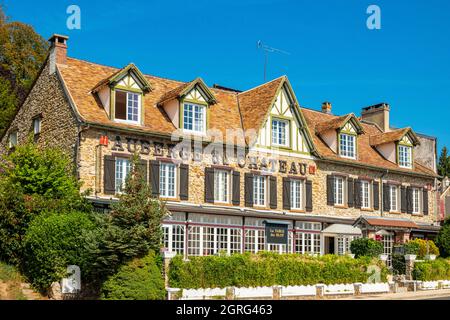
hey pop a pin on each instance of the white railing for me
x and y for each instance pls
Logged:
(259, 292)
(336, 289)
(375, 288)
(298, 291)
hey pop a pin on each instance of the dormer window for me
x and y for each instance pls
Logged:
(347, 146)
(280, 133)
(194, 116)
(405, 156)
(128, 105)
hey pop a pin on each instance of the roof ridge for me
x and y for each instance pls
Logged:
(261, 85)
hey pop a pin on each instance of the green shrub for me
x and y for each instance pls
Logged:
(443, 239)
(438, 269)
(268, 269)
(52, 242)
(424, 247)
(412, 247)
(140, 279)
(365, 247)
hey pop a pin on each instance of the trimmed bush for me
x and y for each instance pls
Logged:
(141, 279)
(53, 242)
(365, 247)
(432, 270)
(268, 269)
(424, 247)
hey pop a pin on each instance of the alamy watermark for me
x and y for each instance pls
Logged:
(73, 21)
(374, 19)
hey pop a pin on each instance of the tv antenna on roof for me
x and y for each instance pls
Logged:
(268, 50)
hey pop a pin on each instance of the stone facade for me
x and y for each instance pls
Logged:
(59, 127)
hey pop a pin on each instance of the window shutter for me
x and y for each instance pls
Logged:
(376, 195)
(184, 182)
(358, 194)
(236, 188)
(109, 178)
(409, 201)
(286, 194)
(142, 168)
(425, 201)
(154, 177)
(330, 190)
(273, 192)
(386, 198)
(309, 202)
(209, 185)
(350, 193)
(403, 206)
(249, 190)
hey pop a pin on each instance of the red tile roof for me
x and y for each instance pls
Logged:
(376, 222)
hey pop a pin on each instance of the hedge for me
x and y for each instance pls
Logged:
(140, 279)
(365, 247)
(438, 269)
(268, 269)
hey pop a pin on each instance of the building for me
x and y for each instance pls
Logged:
(240, 171)
(444, 201)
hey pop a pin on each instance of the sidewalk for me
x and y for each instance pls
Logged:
(419, 295)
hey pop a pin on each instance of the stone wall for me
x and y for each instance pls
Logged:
(91, 173)
(58, 127)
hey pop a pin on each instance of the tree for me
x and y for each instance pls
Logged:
(444, 163)
(443, 239)
(22, 53)
(365, 247)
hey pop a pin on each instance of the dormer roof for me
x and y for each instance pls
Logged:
(394, 136)
(115, 78)
(338, 123)
(181, 91)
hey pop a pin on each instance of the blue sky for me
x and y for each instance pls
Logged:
(333, 55)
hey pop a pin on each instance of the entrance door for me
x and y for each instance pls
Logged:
(329, 245)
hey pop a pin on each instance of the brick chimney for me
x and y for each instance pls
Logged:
(58, 51)
(378, 114)
(326, 107)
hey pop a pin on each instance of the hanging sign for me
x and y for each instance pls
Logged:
(276, 233)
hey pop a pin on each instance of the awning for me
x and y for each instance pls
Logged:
(343, 229)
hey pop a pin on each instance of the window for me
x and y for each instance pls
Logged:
(37, 125)
(393, 193)
(343, 244)
(405, 156)
(123, 168)
(415, 201)
(221, 186)
(347, 146)
(259, 191)
(307, 243)
(338, 191)
(173, 236)
(194, 118)
(128, 106)
(280, 132)
(297, 194)
(255, 240)
(13, 139)
(205, 241)
(365, 195)
(167, 180)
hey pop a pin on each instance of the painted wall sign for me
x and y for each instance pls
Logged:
(218, 157)
(276, 233)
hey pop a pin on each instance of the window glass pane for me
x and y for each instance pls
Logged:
(194, 117)
(167, 180)
(133, 107)
(13, 139)
(365, 195)
(405, 156)
(37, 125)
(121, 105)
(221, 186)
(339, 191)
(280, 132)
(347, 145)
(394, 198)
(123, 168)
(259, 191)
(416, 200)
(296, 194)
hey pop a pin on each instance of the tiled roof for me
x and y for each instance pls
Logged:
(366, 153)
(392, 136)
(232, 110)
(337, 123)
(394, 223)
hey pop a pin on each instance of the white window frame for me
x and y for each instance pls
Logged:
(16, 134)
(394, 190)
(260, 184)
(174, 238)
(405, 156)
(222, 184)
(37, 125)
(338, 180)
(164, 170)
(366, 199)
(297, 194)
(129, 93)
(347, 142)
(276, 140)
(122, 168)
(416, 201)
(194, 117)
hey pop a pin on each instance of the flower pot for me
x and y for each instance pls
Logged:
(431, 257)
(410, 257)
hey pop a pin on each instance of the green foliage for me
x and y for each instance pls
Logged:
(412, 247)
(365, 247)
(438, 269)
(140, 279)
(444, 163)
(443, 239)
(52, 242)
(268, 269)
(8, 102)
(424, 247)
